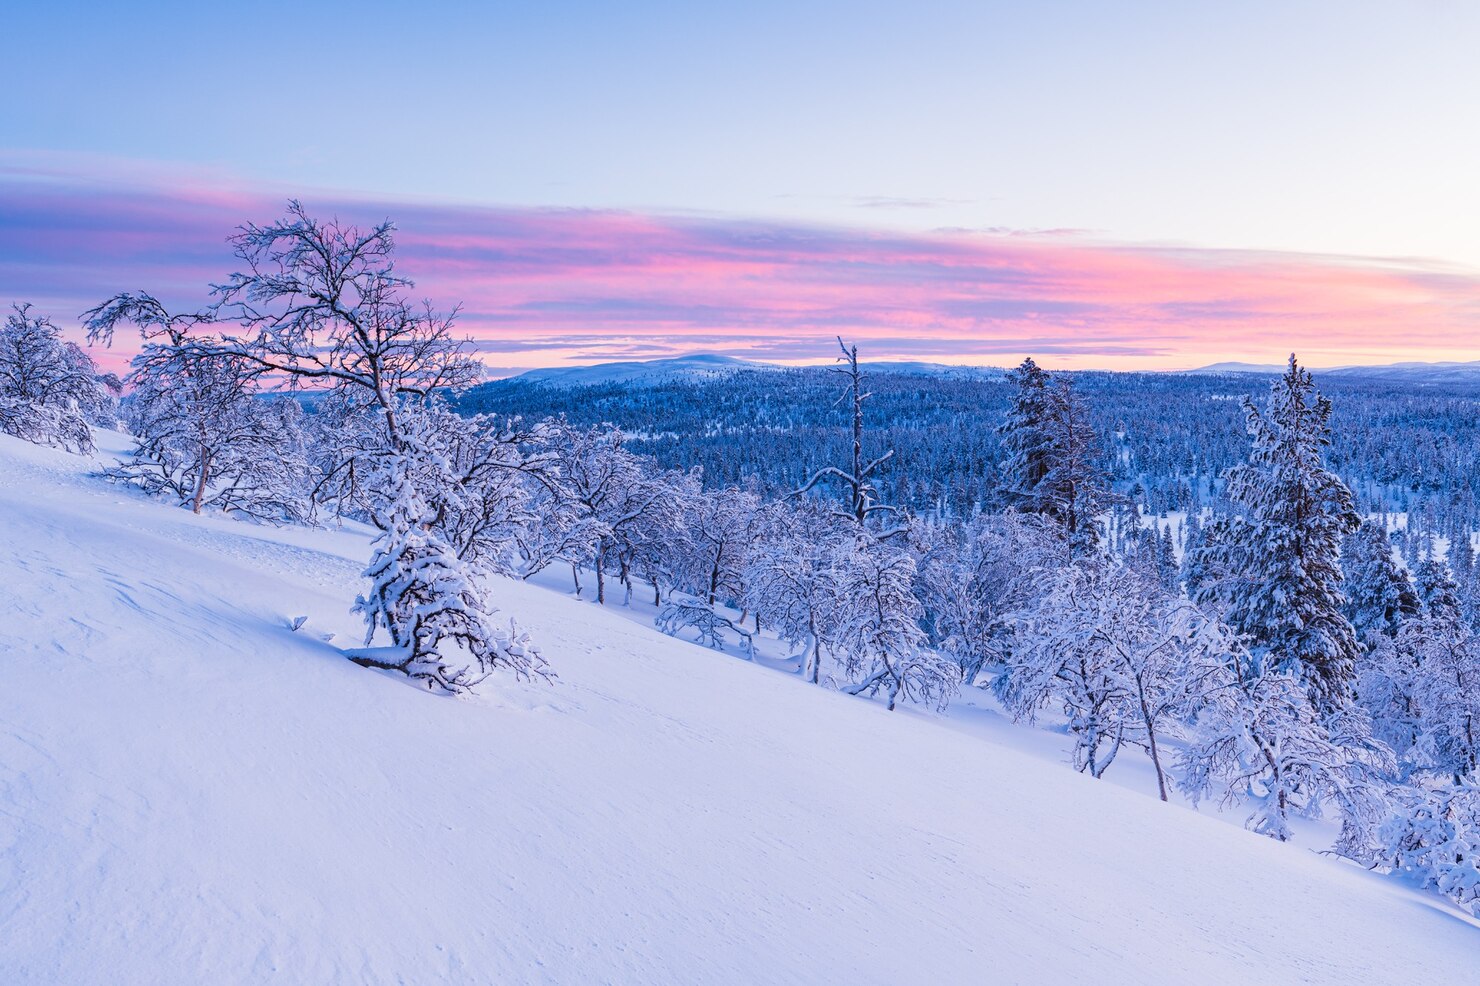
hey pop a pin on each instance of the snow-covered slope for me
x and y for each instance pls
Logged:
(192, 793)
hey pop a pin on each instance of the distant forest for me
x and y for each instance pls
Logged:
(1167, 438)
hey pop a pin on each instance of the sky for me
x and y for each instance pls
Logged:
(1128, 185)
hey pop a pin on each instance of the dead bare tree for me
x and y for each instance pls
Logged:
(857, 480)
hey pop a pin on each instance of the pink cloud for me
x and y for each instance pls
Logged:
(541, 287)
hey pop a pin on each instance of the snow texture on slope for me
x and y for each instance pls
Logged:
(190, 792)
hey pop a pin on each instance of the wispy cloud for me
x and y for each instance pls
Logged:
(546, 286)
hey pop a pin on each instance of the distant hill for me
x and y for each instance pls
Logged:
(644, 372)
(1270, 368)
(1415, 373)
(712, 366)
(709, 366)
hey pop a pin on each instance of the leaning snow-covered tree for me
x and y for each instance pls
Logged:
(440, 631)
(50, 390)
(1279, 575)
(681, 611)
(876, 629)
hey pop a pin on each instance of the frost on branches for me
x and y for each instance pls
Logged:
(1433, 837)
(1262, 739)
(878, 636)
(50, 391)
(1123, 660)
(439, 629)
(975, 579)
(792, 578)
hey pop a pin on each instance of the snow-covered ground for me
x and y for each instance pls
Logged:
(190, 792)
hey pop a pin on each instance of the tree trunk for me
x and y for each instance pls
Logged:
(200, 485)
(1161, 777)
(600, 580)
(575, 574)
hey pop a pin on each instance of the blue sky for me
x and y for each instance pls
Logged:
(1341, 129)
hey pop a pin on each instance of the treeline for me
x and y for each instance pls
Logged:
(1287, 660)
(1168, 437)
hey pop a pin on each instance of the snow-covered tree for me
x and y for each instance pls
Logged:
(613, 496)
(1274, 572)
(492, 470)
(1379, 593)
(1433, 836)
(320, 304)
(1441, 657)
(1123, 660)
(681, 611)
(716, 541)
(876, 629)
(1262, 739)
(974, 578)
(1053, 466)
(440, 631)
(790, 577)
(204, 438)
(50, 390)
(203, 433)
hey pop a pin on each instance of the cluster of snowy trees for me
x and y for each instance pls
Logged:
(1291, 658)
(319, 305)
(50, 390)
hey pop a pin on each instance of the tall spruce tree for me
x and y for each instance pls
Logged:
(1280, 578)
(1053, 463)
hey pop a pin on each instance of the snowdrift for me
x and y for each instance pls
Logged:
(193, 792)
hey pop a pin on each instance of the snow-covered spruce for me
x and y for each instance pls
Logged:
(1053, 465)
(1272, 569)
